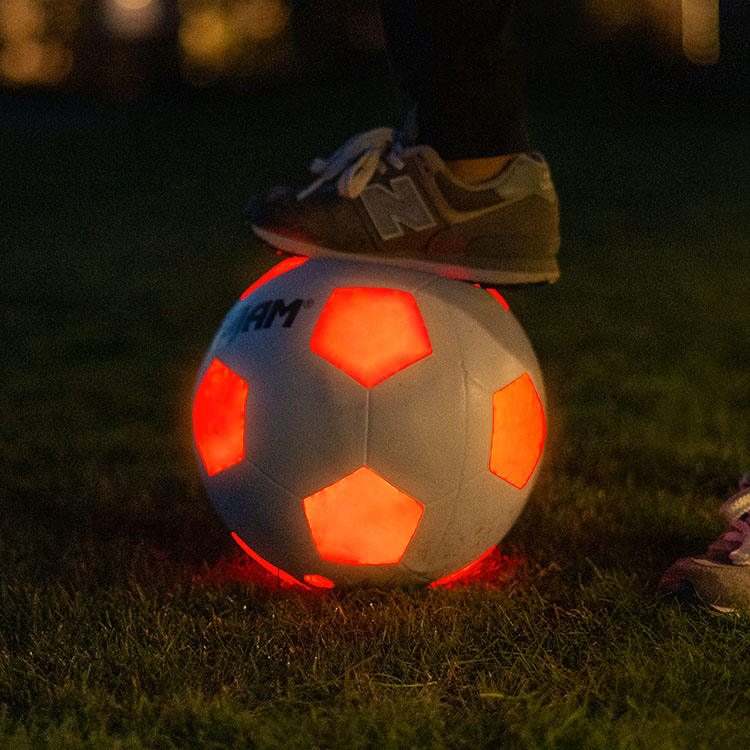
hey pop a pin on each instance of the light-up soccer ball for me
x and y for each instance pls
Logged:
(367, 424)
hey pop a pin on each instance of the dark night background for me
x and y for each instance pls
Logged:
(621, 56)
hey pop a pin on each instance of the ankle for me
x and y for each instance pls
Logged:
(479, 170)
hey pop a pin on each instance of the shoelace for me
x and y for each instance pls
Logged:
(736, 512)
(355, 163)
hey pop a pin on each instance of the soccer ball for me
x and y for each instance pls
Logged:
(363, 424)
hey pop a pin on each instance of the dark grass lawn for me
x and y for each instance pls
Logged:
(125, 623)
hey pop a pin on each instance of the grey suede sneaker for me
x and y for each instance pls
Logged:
(720, 577)
(379, 201)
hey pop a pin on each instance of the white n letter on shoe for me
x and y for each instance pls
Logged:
(401, 206)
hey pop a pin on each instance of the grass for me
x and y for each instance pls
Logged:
(126, 621)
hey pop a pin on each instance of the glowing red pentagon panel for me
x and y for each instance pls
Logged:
(518, 431)
(362, 520)
(370, 333)
(277, 270)
(283, 576)
(219, 418)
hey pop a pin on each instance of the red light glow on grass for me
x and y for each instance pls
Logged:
(277, 270)
(490, 569)
(281, 575)
(518, 431)
(362, 520)
(371, 333)
(219, 418)
(319, 582)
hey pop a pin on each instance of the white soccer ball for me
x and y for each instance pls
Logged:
(363, 424)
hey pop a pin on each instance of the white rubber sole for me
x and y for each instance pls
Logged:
(462, 273)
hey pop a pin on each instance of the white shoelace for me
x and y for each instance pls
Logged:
(739, 528)
(355, 163)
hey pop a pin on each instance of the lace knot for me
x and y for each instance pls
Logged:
(355, 163)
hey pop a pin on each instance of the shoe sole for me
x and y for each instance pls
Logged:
(489, 276)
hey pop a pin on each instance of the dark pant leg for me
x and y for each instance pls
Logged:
(455, 59)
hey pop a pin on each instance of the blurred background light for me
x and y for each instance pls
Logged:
(30, 61)
(656, 23)
(125, 47)
(21, 19)
(22, 60)
(132, 18)
(261, 19)
(133, 5)
(207, 35)
(700, 31)
(34, 41)
(239, 39)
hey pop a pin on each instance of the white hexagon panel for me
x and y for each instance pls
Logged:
(363, 424)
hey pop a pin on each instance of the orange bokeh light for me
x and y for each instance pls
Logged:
(262, 19)
(362, 520)
(371, 333)
(207, 35)
(219, 418)
(277, 270)
(518, 431)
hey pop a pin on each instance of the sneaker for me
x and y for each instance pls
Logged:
(720, 577)
(380, 201)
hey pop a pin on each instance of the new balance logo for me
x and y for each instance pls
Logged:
(264, 314)
(401, 206)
